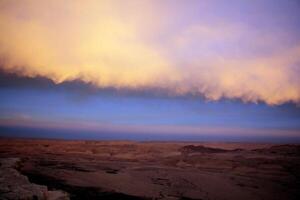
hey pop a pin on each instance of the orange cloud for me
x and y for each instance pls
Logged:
(119, 44)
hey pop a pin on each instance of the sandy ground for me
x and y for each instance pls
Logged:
(157, 170)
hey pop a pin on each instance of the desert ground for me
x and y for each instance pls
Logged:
(61, 169)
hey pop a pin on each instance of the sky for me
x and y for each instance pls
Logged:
(150, 70)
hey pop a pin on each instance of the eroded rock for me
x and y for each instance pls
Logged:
(14, 185)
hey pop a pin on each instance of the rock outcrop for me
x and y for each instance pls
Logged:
(14, 185)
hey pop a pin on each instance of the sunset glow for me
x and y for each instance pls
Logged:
(194, 57)
(162, 45)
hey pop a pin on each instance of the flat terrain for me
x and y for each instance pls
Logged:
(57, 169)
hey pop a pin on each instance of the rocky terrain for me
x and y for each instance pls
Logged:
(57, 169)
(14, 185)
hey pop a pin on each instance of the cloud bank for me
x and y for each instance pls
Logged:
(169, 46)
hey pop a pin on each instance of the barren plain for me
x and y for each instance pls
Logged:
(62, 169)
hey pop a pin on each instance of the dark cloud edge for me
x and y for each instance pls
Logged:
(15, 81)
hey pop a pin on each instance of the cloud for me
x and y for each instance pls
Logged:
(137, 45)
(100, 49)
(272, 79)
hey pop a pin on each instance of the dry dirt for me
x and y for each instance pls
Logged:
(148, 170)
